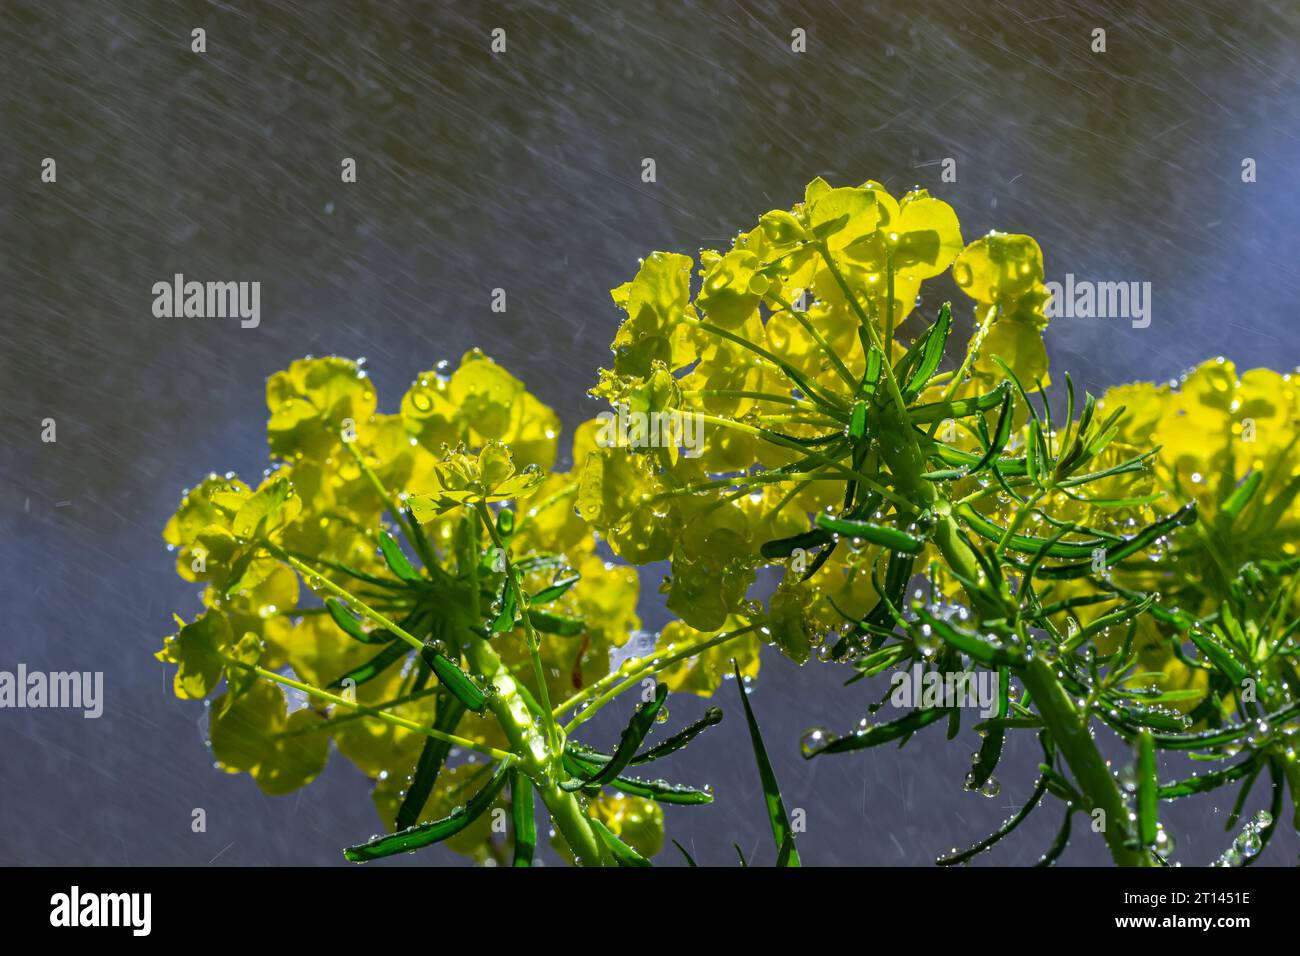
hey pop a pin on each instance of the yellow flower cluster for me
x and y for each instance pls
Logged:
(342, 476)
(769, 350)
(1227, 442)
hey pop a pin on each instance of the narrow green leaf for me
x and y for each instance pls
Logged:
(505, 619)
(690, 860)
(784, 547)
(1061, 841)
(882, 733)
(958, 408)
(822, 557)
(1242, 795)
(1014, 379)
(561, 625)
(883, 535)
(1031, 450)
(1274, 809)
(635, 732)
(396, 559)
(432, 757)
(1136, 463)
(1147, 788)
(969, 643)
(955, 859)
(1206, 782)
(786, 851)
(881, 617)
(1240, 497)
(582, 762)
(553, 592)
(1219, 736)
(426, 834)
(1219, 654)
(455, 679)
(1118, 552)
(677, 741)
(1123, 614)
(676, 794)
(524, 823)
(1174, 696)
(420, 542)
(931, 354)
(372, 668)
(350, 626)
(674, 743)
(858, 420)
(623, 854)
(1000, 435)
(990, 752)
(875, 365)
(1028, 543)
(776, 814)
(967, 463)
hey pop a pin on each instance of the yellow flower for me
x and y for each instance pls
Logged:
(462, 480)
(1214, 429)
(312, 404)
(1004, 275)
(636, 821)
(702, 673)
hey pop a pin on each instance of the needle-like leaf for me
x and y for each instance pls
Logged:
(787, 853)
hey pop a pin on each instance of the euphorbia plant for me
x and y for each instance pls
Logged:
(1066, 556)
(476, 636)
(1055, 553)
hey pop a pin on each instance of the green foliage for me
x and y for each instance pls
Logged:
(1128, 566)
(455, 600)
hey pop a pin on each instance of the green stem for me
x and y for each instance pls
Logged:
(972, 347)
(390, 505)
(384, 716)
(891, 380)
(1070, 731)
(1068, 727)
(537, 760)
(746, 393)
(534, 643)
(369, 710)
(610, 686)
(310, 575)
(826, 400)
(830, 353)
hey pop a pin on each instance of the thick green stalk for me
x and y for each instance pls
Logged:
(1068, 726)
(612, 685)
(534, 643)
(1073, 736)
(536, 760)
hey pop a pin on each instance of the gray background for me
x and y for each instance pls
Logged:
(522, 171)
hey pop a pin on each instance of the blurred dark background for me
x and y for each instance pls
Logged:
(522, 171)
